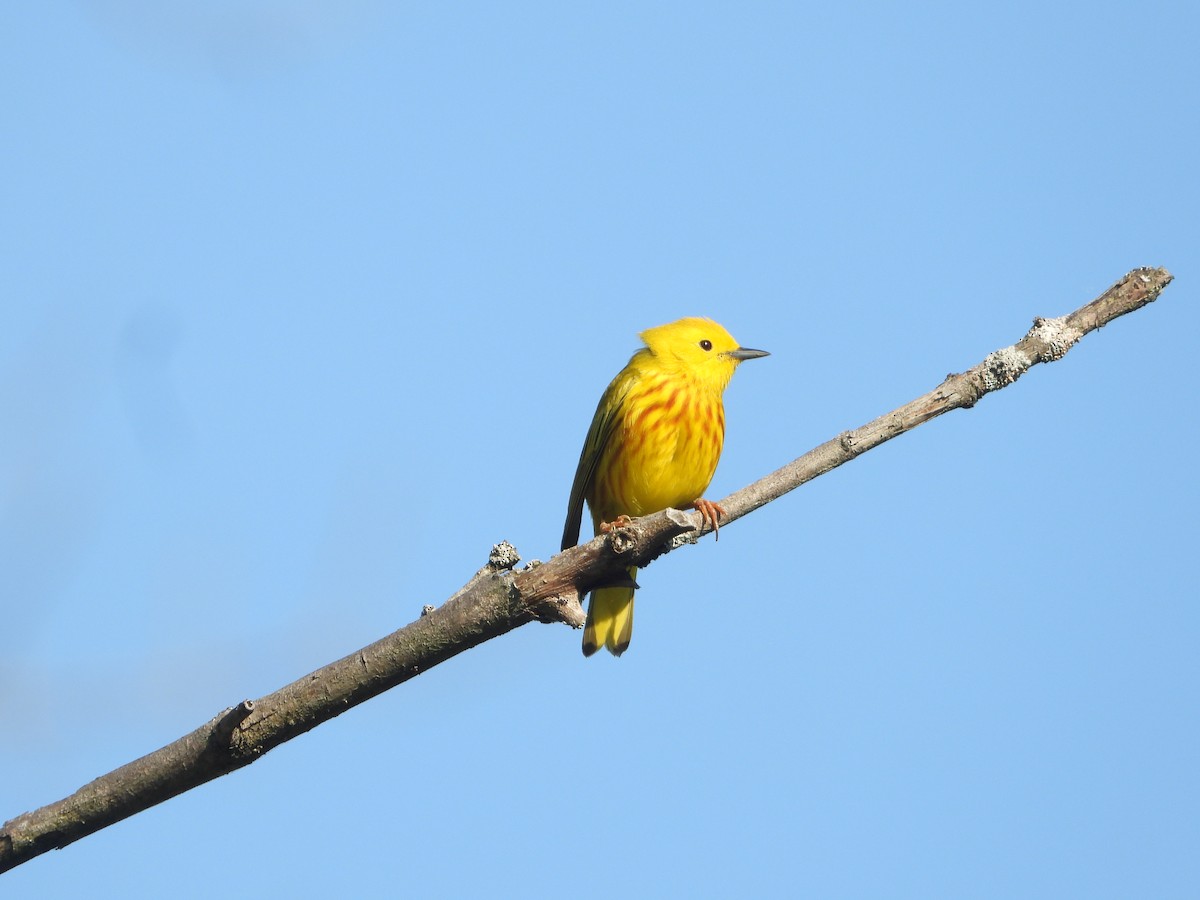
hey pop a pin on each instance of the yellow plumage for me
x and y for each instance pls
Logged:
(654, 443)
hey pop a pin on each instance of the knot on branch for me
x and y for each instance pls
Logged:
(686, 530)
(229, 720)
(622, 541)
(225, 742)
(1002, 367)
(1053, 338)
(503, 556)
(566, 608)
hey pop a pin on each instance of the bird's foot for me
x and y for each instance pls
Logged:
(710, 515)
(621, 521)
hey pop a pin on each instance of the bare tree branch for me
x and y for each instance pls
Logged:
(500, 598)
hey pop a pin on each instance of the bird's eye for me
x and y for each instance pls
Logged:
(706, 345)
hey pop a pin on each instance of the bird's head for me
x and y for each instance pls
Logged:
(698, 347)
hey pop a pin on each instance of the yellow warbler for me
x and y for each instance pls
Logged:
(654, 443)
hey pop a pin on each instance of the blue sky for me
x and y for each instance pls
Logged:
(306, 305)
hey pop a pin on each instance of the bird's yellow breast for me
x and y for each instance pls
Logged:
(664, 450)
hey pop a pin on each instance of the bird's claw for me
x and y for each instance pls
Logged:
(710, 515)
(621, 521)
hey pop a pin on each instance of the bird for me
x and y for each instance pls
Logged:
(654, 443)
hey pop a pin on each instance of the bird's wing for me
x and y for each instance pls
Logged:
(604, 422)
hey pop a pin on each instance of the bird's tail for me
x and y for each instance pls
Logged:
(610, 619)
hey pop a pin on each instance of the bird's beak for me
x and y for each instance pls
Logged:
(743, 353)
